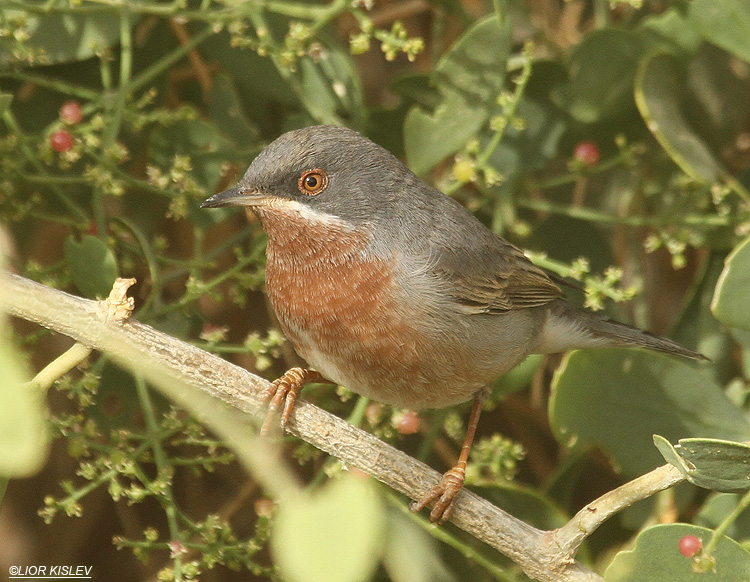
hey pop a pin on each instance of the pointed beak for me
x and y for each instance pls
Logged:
(235, 197)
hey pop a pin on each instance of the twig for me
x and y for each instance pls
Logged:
(570, 536)
(544, 555)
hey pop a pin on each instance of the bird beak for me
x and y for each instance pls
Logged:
(234, 197)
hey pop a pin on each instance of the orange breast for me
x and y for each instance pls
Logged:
(340, 307)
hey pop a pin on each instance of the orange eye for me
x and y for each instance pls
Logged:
(312, 182)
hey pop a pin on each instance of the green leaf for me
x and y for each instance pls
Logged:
(709, 463)
(725, 23)
(23, 427)
(92, 264)
(617, 399)
(669, 32)
(331, 87)
(63, 38)
(333, 535)
(658, 90)
(227, 113)
(411, 554)
(732, 296)
(469, 78)
(656, 558)
(601, 69)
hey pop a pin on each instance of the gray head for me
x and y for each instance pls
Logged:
(332, 170)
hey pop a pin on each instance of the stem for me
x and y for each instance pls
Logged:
(162, 467)
(593, 215)
(722, 528)
(569, 537)
(68, 89)
(126, 66)
(61, 366)
(145, 77)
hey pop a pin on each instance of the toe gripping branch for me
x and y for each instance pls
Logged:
(445, 493)
(284, 390)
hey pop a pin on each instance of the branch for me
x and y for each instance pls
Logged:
(543, 555)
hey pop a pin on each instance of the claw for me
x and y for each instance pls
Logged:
(283, 394)
(444, 494)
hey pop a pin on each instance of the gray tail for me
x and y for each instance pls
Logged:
(570, 328)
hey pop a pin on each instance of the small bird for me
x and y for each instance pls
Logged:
(387, 286)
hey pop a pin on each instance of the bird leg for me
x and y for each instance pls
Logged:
(446, 492)
(285, 390)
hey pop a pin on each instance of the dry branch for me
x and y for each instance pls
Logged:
(545, 556)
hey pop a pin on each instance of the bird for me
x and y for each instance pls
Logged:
(389, 287)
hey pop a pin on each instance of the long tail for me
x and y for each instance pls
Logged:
(571, 328)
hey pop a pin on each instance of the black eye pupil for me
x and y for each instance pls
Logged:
(312, 182)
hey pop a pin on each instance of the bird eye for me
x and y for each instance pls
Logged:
(312, 182)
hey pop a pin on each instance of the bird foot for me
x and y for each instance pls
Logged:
(284, 391)
(444, 494)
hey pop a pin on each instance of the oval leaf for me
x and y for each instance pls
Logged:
(469, 78)
(23, 431)
(617, 399)
(658, 89)
(333, 535)
(601, 71)
(92, 264)
(711, 463)
(656, 558)
(725, 23)
(732, 295)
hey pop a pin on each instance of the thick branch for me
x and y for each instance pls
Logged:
(545, 556)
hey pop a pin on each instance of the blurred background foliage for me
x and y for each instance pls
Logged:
(610, 139)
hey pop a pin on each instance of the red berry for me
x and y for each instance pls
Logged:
(587, 153)
(690, 545)
(407, 422)
(61, 141)
(71, 113)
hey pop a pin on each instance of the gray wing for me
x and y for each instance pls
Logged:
(494, 278)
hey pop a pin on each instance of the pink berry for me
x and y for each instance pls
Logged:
(263, 507)
(61, 141)
(407, 422)
(587, 153)
(71, 113)
(690, 545)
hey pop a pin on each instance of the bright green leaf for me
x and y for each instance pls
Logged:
(709, 463)
(333, 535)
(658, 90)
(732, 296)
(469, 78)
(92, 264)
(656, 558)
(617, 399)
(23, 430)
(725, 23)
